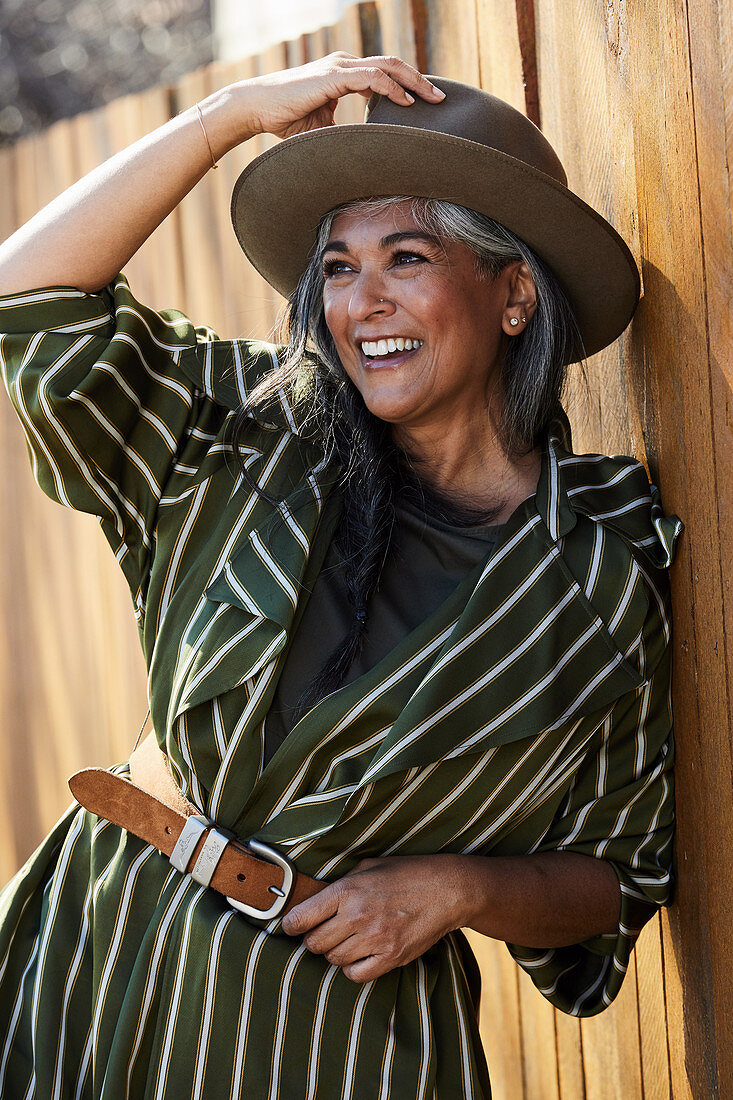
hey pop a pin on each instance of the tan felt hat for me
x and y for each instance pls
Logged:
(472, 149)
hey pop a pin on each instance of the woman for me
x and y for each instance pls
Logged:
(396, 630)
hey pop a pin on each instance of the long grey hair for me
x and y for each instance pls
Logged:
(372, 468)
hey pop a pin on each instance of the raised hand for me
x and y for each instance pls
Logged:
(295, 100)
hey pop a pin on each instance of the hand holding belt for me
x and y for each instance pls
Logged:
(263, 887)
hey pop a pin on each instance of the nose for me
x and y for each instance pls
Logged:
(369, 298)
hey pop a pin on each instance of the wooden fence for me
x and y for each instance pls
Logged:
(638, 101)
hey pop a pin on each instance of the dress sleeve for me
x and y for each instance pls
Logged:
(106, 410)
(621, 809)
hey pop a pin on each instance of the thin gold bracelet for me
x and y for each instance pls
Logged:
(206, 136)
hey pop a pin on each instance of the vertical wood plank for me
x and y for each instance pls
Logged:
(675, 329)
(402, 27)
(539, 1049)
(570, 1067)
(346, 35)
(500, 60)
(451, 40)
(611, 1048)
(652, 1013)
(499, 1015)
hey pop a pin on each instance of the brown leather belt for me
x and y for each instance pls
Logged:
(151, 806)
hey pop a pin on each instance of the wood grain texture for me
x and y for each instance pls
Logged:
(569, 1048)
(499, 1016)
(539, 1049)
(675, 328)
(499, 55)
(451, 39)
(650, 987)
(611, 1048)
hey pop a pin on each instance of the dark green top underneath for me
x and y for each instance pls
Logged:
(428, 561)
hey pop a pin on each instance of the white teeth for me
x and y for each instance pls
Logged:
(389, 345)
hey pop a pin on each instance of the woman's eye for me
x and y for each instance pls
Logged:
(334, 267)
(403, 259)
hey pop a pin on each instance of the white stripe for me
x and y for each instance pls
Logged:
(465, 1063)
(315, 1056)
(240, 1049)
(354, 1036)
(217, 789)
(606, 484)
(425, 1045)
(282, 1011)
(239, 374)
(73, 971)
(56, 294)
(433, 646)
(145, 414)
(161, 934)
(294, 526)
(484, 681)
(384, 1089)
(117, 940)
(219, 734)
(15, 1017)
(628, 592)
(273, 567)
(374, 824)
(241, 591)
(506, 606)
(164, 380)
(590, 584)
(180, 546)
(554, 502)
(171, 1013)
(82, 326)
(57, 885)
(173, 349)
(645, 499)
(119, 439)
(445, 804)
(211, 972)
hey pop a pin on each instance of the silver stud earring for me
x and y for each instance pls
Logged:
(524, 319)
(513, 321)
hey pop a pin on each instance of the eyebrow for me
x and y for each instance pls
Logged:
(389, 240)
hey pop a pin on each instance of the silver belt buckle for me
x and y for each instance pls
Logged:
(212, 851)
(271, 855)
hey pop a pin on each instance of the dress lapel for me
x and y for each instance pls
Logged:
(250, 591)
(249, 603)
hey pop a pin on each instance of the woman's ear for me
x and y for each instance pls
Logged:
(521, 298)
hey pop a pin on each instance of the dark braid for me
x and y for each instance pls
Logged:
(366, 455)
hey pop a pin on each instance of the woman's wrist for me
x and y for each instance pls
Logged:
(228, 117)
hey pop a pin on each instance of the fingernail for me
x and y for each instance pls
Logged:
(438, 92)
(409, 98)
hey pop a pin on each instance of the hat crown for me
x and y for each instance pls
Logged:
(475, 115)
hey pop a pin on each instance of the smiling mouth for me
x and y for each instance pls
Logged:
(383, 353)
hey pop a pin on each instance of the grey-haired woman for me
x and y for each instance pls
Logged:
(408, 654)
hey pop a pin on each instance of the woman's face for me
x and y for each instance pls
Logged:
(386, 280)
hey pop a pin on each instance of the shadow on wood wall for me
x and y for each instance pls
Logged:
(639, 109)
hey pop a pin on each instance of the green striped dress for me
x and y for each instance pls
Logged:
(530, 712)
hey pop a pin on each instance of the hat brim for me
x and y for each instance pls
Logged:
(281, 196)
